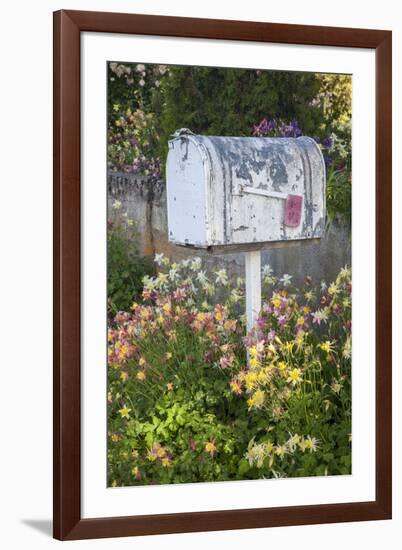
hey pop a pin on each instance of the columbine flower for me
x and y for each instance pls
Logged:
(210, 447)
(141, 375)
(292, 442)
(347, 350)
(327, 346)
(295, 376)
(257, 400)
(195, 264)
(319, 316)
(235, 386)
(173, 274)
(221, 277)
(333, 289)
(117, 205)
(202, 278)
(159, 258)
(266, 270)
(286, 279)
(148, 282)
(125, 412)
(311, 444)
(281, 450)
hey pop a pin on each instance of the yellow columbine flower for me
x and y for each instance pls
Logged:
(253, 362)
(282, 365)
(276, 302)
(327, 346)
(124, 376)
(115, 438)
(311, 444)
(168, 355)
(287, 347)
(125, 412)
(167, 307)
(141, 362)
(210, 447)
(160, 452)
(295, 376)
(250, 380)
(169, 386)
(257, 400)
(332, 290)
(281, 450)
(166, 461)
(253, 351)
(141, 375)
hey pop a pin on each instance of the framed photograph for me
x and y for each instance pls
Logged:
(217, 187)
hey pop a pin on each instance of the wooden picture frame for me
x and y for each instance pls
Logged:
(68, 523)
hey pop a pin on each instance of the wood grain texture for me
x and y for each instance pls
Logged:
(67, 476)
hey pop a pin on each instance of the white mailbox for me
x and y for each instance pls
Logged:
(238, 191)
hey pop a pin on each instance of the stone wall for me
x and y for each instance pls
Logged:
(144, 201)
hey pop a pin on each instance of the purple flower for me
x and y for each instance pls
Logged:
(327, 142)
(282, 320)
(271, 335)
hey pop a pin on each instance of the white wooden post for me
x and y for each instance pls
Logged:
(253, 286)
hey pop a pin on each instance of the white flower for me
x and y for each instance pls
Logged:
(267, 270)
(195, 264)
(202, 278)
(221, 276)
(148, 282)
(173, 274)
(323, 285)
(117, 205)
(286, 279)
(186, 262)
(159, 258)
(161, 280)
(347, 350)
(141, 82)
(140, 67)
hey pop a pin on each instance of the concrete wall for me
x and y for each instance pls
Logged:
(144, 201)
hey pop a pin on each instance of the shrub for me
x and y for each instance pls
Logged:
(225, 101)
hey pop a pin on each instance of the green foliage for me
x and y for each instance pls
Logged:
(339, 196)
(125, 267)
(228, 101)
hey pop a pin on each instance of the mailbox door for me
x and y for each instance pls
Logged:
(186, 193)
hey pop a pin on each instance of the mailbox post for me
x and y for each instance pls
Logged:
(236, 194)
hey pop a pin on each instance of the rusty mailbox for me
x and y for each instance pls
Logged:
(226, 192)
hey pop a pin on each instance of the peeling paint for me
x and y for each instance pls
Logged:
(210, 181)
